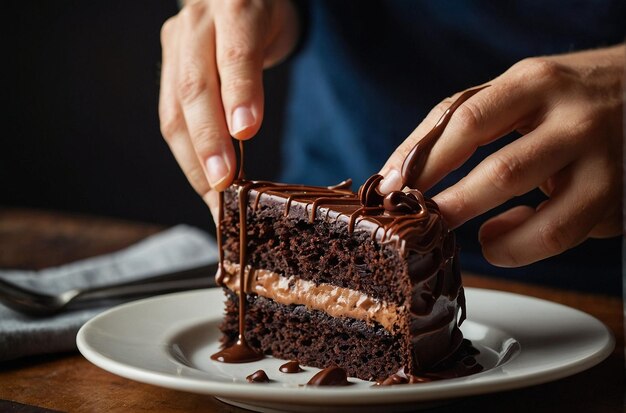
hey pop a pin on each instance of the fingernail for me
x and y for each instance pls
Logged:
(242, 119)
(392, 182)
(217, 170)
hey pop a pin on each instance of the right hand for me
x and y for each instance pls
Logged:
(214, 53)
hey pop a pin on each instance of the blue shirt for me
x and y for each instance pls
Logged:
(367, 72)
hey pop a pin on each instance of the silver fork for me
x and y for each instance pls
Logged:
(40, 304)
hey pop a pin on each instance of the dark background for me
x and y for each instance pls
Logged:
(80, 129)
(80, 119)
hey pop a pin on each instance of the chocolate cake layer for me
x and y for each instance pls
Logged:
(316, 339)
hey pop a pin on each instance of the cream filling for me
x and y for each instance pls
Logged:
(334, 301)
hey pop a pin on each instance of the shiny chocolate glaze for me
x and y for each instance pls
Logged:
(462, 363)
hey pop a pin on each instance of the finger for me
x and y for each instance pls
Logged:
(185, 155)
(240, 34)
(392, 180)
(173, 125)
(512, 171)
(199, 95)
(561, 223)
(484, 117)
(283, 32)
(504, 222)
(171, 116)
(212, 200)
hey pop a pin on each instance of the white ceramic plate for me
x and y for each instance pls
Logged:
(168, 340)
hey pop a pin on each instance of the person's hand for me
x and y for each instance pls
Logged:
(214, 53)
(569, 110)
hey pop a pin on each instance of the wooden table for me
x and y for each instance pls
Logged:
(68, 382)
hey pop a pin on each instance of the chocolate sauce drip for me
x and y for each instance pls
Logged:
(221, 273)
(258, 376)
(330, 376)
(416, 159)
(240, 352)
(241, 175)
(291, 367)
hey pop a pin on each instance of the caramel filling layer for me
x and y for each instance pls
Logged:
(334, 301)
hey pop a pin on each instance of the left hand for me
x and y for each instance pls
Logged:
(569, 110)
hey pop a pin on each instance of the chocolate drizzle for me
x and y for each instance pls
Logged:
(416, 159)
(240, 352)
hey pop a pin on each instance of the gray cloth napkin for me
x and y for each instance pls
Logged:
(179, 248)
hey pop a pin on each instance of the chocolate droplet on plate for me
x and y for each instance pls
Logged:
(240, 352)
(402, 377)
(291, 367)
(330, 376)
(258, 376)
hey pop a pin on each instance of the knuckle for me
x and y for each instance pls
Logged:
(193, 12)
(168, 29)
(171, 121)
(554, 238)
(440, 108)
(236, 54)
(192, 84)
(539, 68)
(237, 6)
(459, 207)
(585, 126)
(503, 173)
(469, 116)
(205, 140)
(235, 84)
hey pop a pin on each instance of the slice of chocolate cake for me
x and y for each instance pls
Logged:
(367, 282)
(333, 281)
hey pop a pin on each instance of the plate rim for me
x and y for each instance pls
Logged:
(453, 388)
